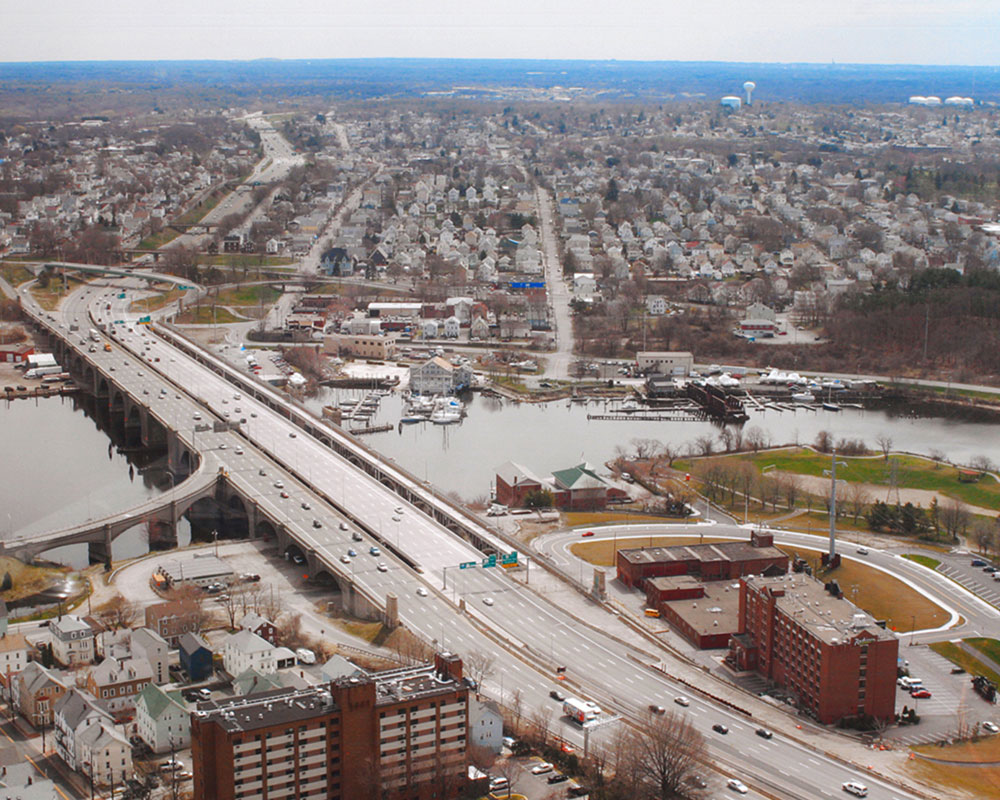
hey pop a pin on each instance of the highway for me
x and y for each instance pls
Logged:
(539, 635)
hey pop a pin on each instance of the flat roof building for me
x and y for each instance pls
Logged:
(834, 659)
(397, 734)
(706, 614)
(198, 570)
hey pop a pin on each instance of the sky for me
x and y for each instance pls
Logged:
(943, 32)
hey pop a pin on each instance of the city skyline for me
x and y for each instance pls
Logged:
(779, 31)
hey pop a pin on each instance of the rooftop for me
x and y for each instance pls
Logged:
(716, 551)
(717, 611)
(193, 568)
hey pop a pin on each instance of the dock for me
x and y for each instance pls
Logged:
(48, 390)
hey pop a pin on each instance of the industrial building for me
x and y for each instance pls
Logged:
(806, 639)
(677, 364)
(394, 735)
(196, 570)
(715, 561)
(706, 613)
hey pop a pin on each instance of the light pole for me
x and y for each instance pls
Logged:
(832, 472)
(913, 626)
(762, 473)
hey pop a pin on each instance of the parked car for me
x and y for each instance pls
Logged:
(920, 694)
(558, 778)
(542, 768)
(989, 726)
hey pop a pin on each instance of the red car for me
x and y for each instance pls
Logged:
(588, 533)
(920, 694)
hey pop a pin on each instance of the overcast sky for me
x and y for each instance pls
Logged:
(868, 31)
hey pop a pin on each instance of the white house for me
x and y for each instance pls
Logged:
(72, 640)
(74, 712)
(584, 284)
(244, 650)
(656, 306)
(485, 724)
(452, 326)
(13, 657)
(105, 754)
(149, 645)
(438, 376)
(162, 717)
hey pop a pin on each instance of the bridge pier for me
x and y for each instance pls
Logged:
(99, 552)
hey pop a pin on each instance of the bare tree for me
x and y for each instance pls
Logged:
(703, 445)
(955, 517)
(858, 497)
(982, 464)
(791, 485)
(515, 708)
(884, 442)
(480, 667)
(661, 756)
(755, 438)
(118, 613)
(983, 533)
(540, 722)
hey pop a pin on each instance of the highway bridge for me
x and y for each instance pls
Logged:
(318, 491)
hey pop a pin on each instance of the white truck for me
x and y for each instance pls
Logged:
(580, 711)
(95, 335)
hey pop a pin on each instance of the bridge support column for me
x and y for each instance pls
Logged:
(163, 533)
(100, 552)
(391, 617)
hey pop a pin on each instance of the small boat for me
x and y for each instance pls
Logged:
(803, 397)
(831, 406)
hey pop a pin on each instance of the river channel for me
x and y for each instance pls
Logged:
(63, 463)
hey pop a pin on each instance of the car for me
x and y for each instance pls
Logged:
(541, 769)
(262, 472)
(697, 781)
(990, 569)
(558, 778)
(863, 551)
(356, 536)
(297, 559)
(855, 788)
(395, 518)
(204, 693)
(197, 415)
(381, 567)
(421, 591)
(989, 726)
(556, 695)
(238, 451)
(498, 783)
(236, 397)
(398, 509)
(655, 709)
(250, 577)
(718, 727)
(317, 523)
(920, 694)
(185, 775)
(374, 551)
(292, 435)
(343, 526)
(279, 485)
(284, 495)
(978, 562)
(352, 552)
(487, 601)
(588, 533)
(346, 559)
(737, 785)
(306, 505)
(681, 700)
(222, 446)
(763, 733)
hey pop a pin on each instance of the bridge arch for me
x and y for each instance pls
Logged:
(237, 524)
(265, 530)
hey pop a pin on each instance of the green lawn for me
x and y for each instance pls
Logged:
(248, 295)
(927, 561)
(202, 315)
(247, 259)
(912, 472)
(988, 647)
(969, 663)
(15, 274)
(157, 240)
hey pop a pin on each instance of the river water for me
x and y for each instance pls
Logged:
(58, 469)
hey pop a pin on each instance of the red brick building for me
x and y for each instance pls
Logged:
(578, 488)
(816, 645)
(706, 614)
(394, 735)
(716, 561)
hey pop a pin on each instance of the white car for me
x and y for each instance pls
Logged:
(542, 768)
(681, 700)
(855, 788)
(737, 785)
(989, 726)
(862, 551)
(421, 592)
(487, 601)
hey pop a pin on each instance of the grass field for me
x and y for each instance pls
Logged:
(203, 315)
(979, 781)
(15, 274)
(927, 561)
(248, 296)
(50, 297)
(969, 663)
(912, 472)
(26, 580)
(988, 647)
(157, 240)
(245, 259)
(577, 519)
(156, 302)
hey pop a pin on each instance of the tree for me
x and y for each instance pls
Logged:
(660, 756)
(540, 498)
(118, 613)
(858, 497)
(884, 442)
(824, 441)
(480, 667)
(955, 518)
(755, 438)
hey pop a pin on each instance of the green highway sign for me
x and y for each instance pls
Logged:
(121, 296)
(182, 287)
(490, 561)
(467, 565)
(511, 558)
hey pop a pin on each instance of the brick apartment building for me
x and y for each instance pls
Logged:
(821, 648)
(174, 618)
(716, 561)
(398, 734)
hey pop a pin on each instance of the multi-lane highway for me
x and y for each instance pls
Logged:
(537, 635)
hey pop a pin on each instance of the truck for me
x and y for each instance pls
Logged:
(985, 688)
(580, 711)
(41, 372)
(95, 335)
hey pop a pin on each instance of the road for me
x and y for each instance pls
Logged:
(536, 635)
(557, 365)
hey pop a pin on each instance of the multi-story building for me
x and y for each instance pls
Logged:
(117, 682)
(13, 658)
(397, 734)
(148, 644)
(72, 640)
(36, 690)
(807, 639)
(174, 618)
(162, 719)
(438, 376)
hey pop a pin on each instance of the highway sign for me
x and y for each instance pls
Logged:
(145, 320)
(509, 559)
(490, 561)
(182, 287)
(121, 296)
(467, 565)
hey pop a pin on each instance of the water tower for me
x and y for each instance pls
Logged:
(748, 87)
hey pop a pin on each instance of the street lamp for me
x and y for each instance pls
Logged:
(832, 472)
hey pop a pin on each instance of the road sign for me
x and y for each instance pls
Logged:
(182, 287)
(467, 565)
(145, 320)
(510, 558)
(121, 296)
(490, 561)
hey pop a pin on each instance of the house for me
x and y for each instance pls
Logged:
(172, 619)
(24, 782)
(162, 719)
(284, 658)
(149, 645)
(438, 376)
(677, 363)
(514, 483)
(452, 327)
(337, 262)
(72, 640)
(104, 754)
(339, 667)
(254, 682)
(485, 724)
(759, 311)
(244, 650)
(480, 329)
(579, 488)
(656, 306)
(13, 657)
(264, 628)
(195, 657)
(36, 692)
(76, 711)
(116, 682)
